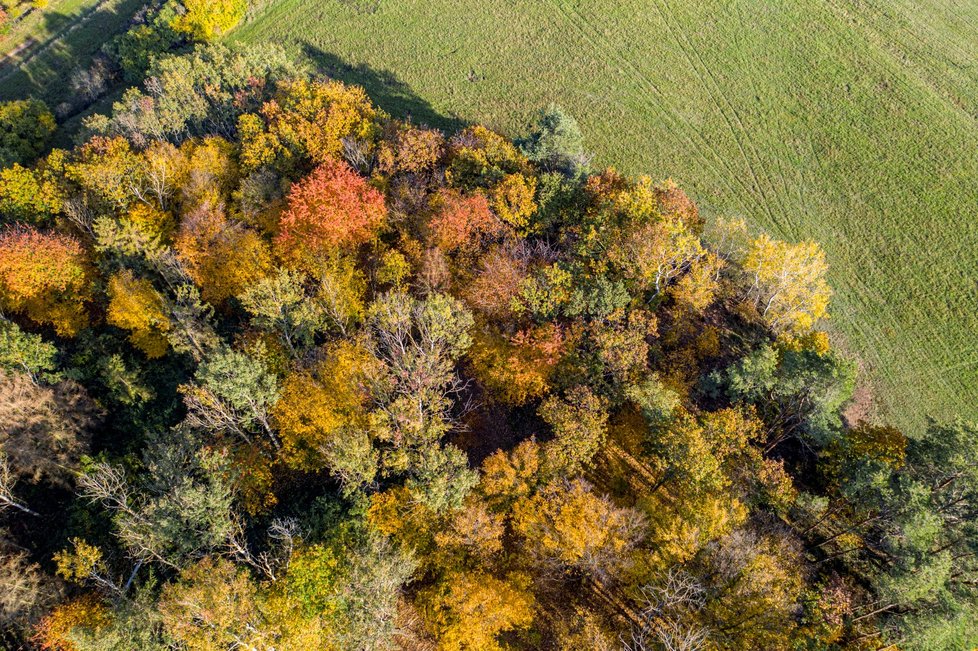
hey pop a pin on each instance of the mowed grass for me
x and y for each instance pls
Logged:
(40, 52)
(852, 122)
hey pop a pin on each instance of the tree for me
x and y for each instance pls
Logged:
(30, 196)
(26, 126)
(332, 207)
(512, 199)
(321, 408)
(223, 257)
(315, 121)
(567, 525)
(462, 222)
(44, 430)
(45, 277)
(205, 20)
(580, 424)
(788, 284)
(213, 606)
(555, 142)
(136, 306)
(202, 92)
(233, 393)
(25, 352)
(468, 611)
(179, 513)
(280, 304)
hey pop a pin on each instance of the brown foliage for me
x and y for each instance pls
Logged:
(43, 430)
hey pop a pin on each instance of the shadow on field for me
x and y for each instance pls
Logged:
(385, 88)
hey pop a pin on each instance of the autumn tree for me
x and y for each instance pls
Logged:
(568, 525)
(45, 277)
(30, 195)
(332, 207)
(468, 611)
(315, 121)
(462, 222)
(579, 421)
(787, 283)
(222, 256)
(213, 606)
(322, 411)
(136, 306)
(205, 20)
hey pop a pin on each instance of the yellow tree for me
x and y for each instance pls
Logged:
(788, 284)
(309, 119)
(318, 407)
(223, 257)
(136, 306)
(469, 610)
(567, 524)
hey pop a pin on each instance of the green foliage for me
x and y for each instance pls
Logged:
(26, 127)
(25, 352)
(555, 142)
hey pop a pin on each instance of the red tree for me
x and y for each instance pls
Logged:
(462, 222)
(332, 207)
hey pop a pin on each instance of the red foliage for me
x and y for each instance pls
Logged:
(332, 207)
(462, 222)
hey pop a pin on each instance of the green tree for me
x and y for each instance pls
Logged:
(555, 142)
(26, 126)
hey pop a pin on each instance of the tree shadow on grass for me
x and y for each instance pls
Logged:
(385, 89)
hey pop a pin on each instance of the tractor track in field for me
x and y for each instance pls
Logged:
(739, 133)
(600, 44)
(9, 64)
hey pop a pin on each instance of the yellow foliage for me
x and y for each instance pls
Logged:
(512, 199)
(136, 306)
(468, 611)
(309, 119)
(79, 564)
(574, 526)
(314, 405)
(788, 284)
(153, 223)
(510, 476)
(221, 256)
(212, 173)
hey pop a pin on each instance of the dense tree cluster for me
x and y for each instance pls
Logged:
(281, 372)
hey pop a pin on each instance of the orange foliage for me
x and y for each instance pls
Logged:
(518, 370)
(46, 277)
(462, 222)
(332, 207)
(221, 256)
(52, 632)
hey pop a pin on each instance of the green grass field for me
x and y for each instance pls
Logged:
(852, 122)
(42, 50)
